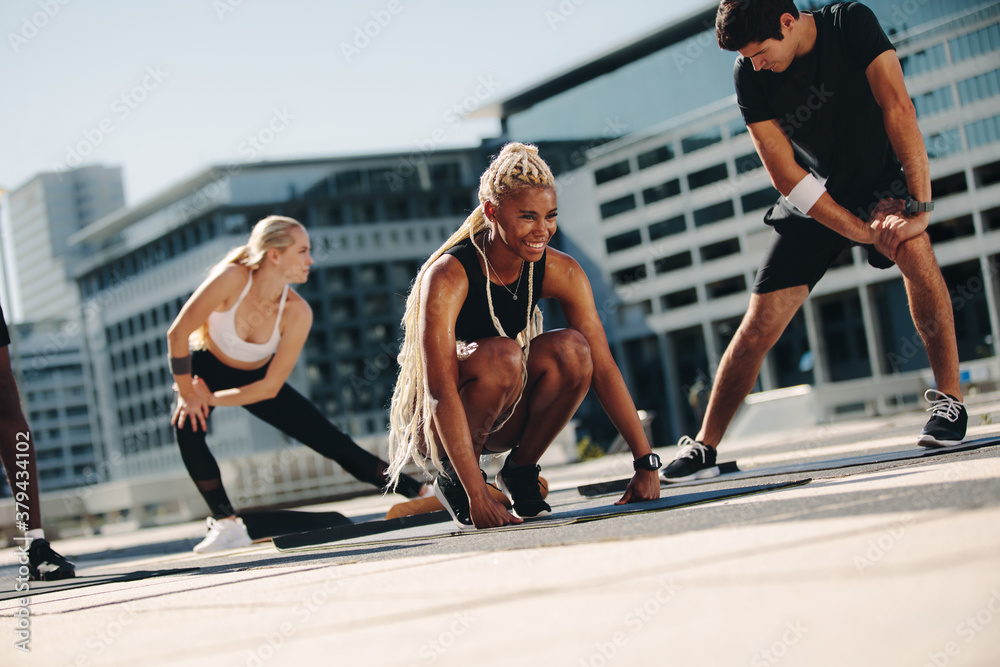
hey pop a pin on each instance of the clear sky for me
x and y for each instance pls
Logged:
(167, 88)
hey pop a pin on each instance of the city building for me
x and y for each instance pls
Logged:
(43, 213)
(47, 345)
(668, 211)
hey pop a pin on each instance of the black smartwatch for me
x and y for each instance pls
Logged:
(913, 206)
(648, 462)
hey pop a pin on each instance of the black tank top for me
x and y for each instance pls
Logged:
(474, 320)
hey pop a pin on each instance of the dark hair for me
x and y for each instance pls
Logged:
(740, 22)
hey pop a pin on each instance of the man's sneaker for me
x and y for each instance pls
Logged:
(520, 485)
(948, 421)
(449, 490)
(44, 564)
(224, 534)
(693, 461)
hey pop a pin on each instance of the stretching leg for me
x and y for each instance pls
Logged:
(298, 417)
(930, 307)
(766, 318)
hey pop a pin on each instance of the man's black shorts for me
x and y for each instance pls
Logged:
(801, 250)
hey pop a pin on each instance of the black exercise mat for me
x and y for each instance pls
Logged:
(262, 524)
(325, 537)
(730, 468)
(619, 485)
(43, 587)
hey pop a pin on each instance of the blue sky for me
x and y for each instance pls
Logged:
(165, 89)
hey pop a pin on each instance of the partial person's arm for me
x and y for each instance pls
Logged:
(778, 156)
(443, 292)
(885, 76)
(566, 282)
(209, 295)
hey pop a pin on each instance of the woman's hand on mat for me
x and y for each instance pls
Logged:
(645, 485)
(488, 513)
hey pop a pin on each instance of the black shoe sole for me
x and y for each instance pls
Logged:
(930, 442)
(704, 473)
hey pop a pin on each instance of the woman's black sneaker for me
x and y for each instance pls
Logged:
(449, 490)
(44, 564)
(520, 485)
(694, 461)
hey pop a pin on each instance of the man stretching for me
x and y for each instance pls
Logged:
(823, 98)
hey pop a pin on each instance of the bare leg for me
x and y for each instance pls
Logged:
(930, 306)
(559, 372)
(766, 318)
(489, 382)
(13, 430)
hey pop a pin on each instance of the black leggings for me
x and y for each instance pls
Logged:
(290, 412)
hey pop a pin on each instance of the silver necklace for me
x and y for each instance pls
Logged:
(507, 289)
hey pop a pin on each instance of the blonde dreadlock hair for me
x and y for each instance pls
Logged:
(517, 166)
(274, 231)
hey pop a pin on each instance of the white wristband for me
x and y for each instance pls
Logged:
(806, 193)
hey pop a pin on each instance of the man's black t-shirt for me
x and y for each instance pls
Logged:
(825, 105)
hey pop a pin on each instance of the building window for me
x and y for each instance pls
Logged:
(703, 139)
(620, 242)
(923, 61)
(943, 143)
(673, 263)
(975, 43)
(983, 132)
(726, 286)
(843, 331)
(704, 177)
(674, 225)
(986, 174)
(617, 206)
(949, 185)
(980, 87)
(737, 127)
(630, 275)
(934, 101)
(611, 172)
(759, 199)
(748, 162)
(654, 194)
(654, 157)
(991, 218)
(719, 250)
(946, 230)
(713, 213)
(446, 175)
(679, 299)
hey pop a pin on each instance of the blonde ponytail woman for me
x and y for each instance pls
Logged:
(248, 328)
(477, 373)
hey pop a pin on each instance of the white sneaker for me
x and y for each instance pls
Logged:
(224, 534)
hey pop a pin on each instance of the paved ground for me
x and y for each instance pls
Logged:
(884, 563)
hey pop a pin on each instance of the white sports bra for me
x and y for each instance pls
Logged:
(222, 330)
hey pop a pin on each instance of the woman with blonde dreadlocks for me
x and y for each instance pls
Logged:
(478, 375)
